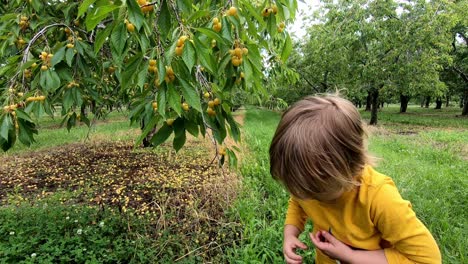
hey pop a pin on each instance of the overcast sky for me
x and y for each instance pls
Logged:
(303, 10)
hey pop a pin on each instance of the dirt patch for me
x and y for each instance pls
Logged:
(407, 132)
(376, 130)
(114, 175)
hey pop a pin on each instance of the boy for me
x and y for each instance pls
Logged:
(318, 153)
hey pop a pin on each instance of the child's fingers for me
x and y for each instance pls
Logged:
(316, 241)
(301, 245)
(320, 241)
(329, 237)
(291, 255)
(292, 261)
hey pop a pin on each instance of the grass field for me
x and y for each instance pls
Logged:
(163, 215)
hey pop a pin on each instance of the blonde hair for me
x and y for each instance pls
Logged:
(318, 150)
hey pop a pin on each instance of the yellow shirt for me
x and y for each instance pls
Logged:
(370, 217)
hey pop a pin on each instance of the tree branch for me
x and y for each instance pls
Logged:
(462, 74)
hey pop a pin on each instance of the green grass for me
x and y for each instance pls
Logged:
(115, 127)
(53, 232)
(417, 117)
(429, 167)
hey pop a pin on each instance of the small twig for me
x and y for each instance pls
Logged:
(174, 9)
(90, 126)
(194, 250)
(202, 80)
(150, 4)
(28, 47)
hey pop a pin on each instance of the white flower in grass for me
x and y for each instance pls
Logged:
(12, 233)
(101, 224)
(79, 231)
(67, 218)
(33, 255)
(76, 221)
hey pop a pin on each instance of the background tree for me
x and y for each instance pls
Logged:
(456, 75)
(176, 64)
(378, 48)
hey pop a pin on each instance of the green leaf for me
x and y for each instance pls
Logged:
(23, 115)
(188, 55)
(162, 135)
(10, 141)
(179, 134)
(235, 131)
(147, 129)
(118, 38)
(287, 48)
(67, 100)
(69, 56)
(58, 56)
(272, 28)
(8, 17)
(191, 127)
(174, 99)
(5, 127)
(212, 34)
(255, 14)
(94, 18)
(37, 5)
(135, 16)
(26, 131)
(84, 6)
(164, 20)
(162, 100)
(129, 72)
(198, 14)
(161, 70)
(101, 37)
(205, 57)
(248, 72)
(190, 95)
(232, 158)
(52, 81)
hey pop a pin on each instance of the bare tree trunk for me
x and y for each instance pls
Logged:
(447, 101)
(368, 101)
(404, 99)
(147, 139)
(465, 103)
(428, 101)
(374, 105)
(438, 103)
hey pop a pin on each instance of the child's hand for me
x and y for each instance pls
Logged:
(291, 243)
(331, 246)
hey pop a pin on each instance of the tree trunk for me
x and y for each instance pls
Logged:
(404, 99)
(360, 104)
(368, 101)
(428, 101)
(465, 103)
(423, 99)
(447, 101)
(382, 104)
(374, 106)
(438, 103)
(83, 110)
(147, 139)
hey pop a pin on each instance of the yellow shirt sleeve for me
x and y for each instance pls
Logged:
(394, 218)
(295, 214)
